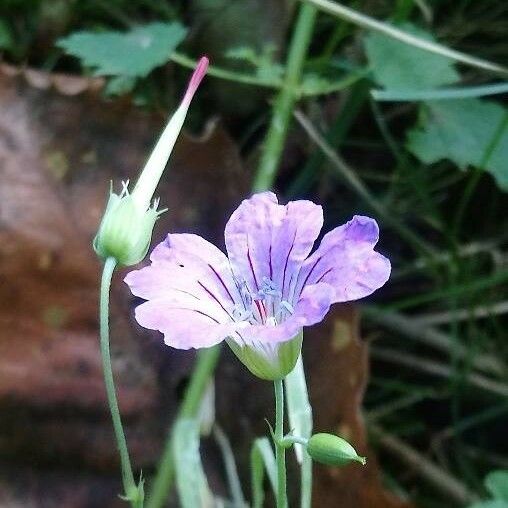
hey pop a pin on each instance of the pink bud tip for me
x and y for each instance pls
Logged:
(197, 76)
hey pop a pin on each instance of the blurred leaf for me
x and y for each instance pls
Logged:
(470, 132)
(493, 503)
(206, 412)
(299, 409)
(300, 423)
(261, 460)
(396, 65)
(497, 484)
(6, 40)
(266, 67)
(235, 486)
(120, 85)
(135, 53)
(191, 481)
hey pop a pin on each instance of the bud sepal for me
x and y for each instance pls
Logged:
(126, 229)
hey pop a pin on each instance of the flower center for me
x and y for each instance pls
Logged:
(265, 307)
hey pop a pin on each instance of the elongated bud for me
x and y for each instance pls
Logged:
(152, 172)
(269, 362)
(126, 228)
(332, 450)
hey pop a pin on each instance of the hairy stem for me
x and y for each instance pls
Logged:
(129, 485)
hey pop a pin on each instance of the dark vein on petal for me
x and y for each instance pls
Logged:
(213, 296)
(198, 312)
(270, 262)
(222, 282)
(311, 270)
(251, 266)
(323, 276)
(287, 261)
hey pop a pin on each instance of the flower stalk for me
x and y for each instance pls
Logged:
(132, 492)
(280, 448)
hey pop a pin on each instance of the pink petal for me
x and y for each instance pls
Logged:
(347, 261)
(268, 240)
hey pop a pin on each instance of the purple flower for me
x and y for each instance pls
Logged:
(269, 286)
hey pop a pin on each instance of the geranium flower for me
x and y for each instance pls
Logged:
(268, 288)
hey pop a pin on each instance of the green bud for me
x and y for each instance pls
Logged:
(126, 229)
(332, 450)
(269, 362)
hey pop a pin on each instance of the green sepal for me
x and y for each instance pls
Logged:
(269, 364)
(125, 231)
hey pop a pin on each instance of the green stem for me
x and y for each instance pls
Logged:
(203, 372)
(284, 103)
(129, 484)
(280, 450)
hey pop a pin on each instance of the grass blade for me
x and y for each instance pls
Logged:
(300, 422)
(262, 459)
(191, 481)
(373, 24)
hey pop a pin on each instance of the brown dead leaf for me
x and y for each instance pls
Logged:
(52, 396)
(337, 362)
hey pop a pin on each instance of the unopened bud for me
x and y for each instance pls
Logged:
(332, 450)
(126, 228)
(125, 231)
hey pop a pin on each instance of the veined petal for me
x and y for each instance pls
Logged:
(293, 239)
(184, 327)
(268, 240)
(312, 306)
(347, 261)
(184, 267)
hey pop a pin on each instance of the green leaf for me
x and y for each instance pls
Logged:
(300, 422)
(261, 460)
(120, 85)
(191, 481)
(6, 39)
(235, 486)
(135, 53)
(492, 503)
(264, 62)
(496, 483)
(298, 405)
(399, 66)
(470, 132)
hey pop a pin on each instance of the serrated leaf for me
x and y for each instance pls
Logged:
(470, 132)
(496, 483)
(134, 53)
(399, 66)
(191, 481)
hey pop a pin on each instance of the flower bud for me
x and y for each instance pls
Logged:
(269, 361)
(332, 450)
(125, 231)
(126, 228)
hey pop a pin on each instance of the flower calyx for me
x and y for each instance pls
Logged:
(126, 229)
